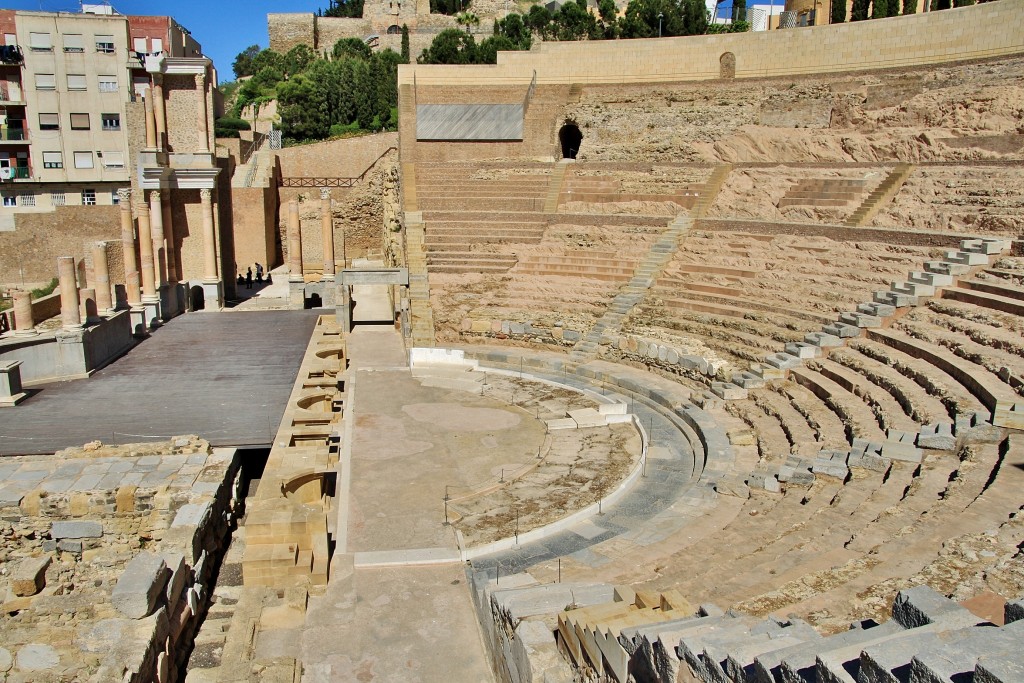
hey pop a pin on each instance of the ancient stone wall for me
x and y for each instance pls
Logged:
(182, 110)
(254, 217)
(288, 30)
(29, 253)
(346, 158)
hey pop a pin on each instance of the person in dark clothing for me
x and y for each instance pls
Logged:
(248, 278)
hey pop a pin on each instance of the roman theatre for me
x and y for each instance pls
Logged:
(674, 360)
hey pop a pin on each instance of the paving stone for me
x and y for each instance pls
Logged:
(139, 585)
(61, 530)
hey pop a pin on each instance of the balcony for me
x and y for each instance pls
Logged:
(13, 135)
(15, 173)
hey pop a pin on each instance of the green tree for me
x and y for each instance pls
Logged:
(575, 22)
(859, 10)
(609, 14)
(242, 66)
(941, 4)
(298, 59)
(695, 18)
(467, 19)
(739, 10)
(354, 48)
(487, 50)
(539, 20)
(838, 12)
(909, 6)
(449, 7)
(879, 9)
(344, 8)
(405, 44)
(962, 3)
(515, 29)
(450, 46)
(228, 127)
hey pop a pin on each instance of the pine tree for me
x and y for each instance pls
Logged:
(879, 9)
(405, 44)
(859, 11)
(838, 12)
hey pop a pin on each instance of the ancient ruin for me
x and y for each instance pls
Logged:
(695, 359)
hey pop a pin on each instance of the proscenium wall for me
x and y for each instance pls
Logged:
(30, 252)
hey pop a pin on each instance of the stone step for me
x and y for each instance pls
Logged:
(966, 258)
(912, 288)
(894, 299)
(783, 361)
(822, 339)
(946, 268)
(803, 350)
(860, 320)
(881, 310)
(933, 279)
(842, 330)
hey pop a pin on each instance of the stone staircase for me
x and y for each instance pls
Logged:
(255, 173)
(649, 269)
(420, 313)
(555, 187)
(880, 196)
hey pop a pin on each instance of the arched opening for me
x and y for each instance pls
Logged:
(198, 300)
(570, 138)
(394, 29)
(727, 65)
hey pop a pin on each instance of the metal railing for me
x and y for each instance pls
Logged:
(13, 134)
(247, 148)
(529, 92)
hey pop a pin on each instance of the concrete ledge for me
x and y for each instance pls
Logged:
(405, 558)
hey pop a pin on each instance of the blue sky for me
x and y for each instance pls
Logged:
(223, 27)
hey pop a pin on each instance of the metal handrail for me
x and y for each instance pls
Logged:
(303, 181)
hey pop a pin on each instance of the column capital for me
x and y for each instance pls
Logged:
(205, 193)
(154, 195)
(325, 193)
(201, 81)
(124, 198)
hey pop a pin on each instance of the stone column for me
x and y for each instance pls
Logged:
(209, 238)
(101, 277)
(173, 272)
(327, 224)
(69, 303)
(160, 111)
(131, 266)
(150, 121)
(24, 325)
(204, 128)
(294, 243)
(156, 217)
(146, 255)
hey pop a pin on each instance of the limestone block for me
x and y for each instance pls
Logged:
(561, 423)
(61, 530)
(1009, 415)
(937, 436)
(139, 586)
(999, 669)
(895, 299)
(180, 574)
(191, 514)
(882, 310)
(966, 258)
(783, 361)
(842, 330)
(1013, 610)
(830, 468)
(822, 339)
(571, 336)
(901, 451)
(802, 350)
(868, 461)
(946, 268)
(860, 320)
(6, 660)
(516, 328)
(480, 326)
(728, 392)
(933, 279)
(37, 657)
(28, 576)
(922, 605)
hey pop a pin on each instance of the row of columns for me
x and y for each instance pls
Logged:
(156, 115)
(294, 233)
(144, 275)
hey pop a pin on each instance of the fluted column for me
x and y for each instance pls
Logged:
(156, 217)
(294, 243)
(173, 273)
(160, 112)
(24, 325)
(327, 224)
(131, 265)
(70, 317)
(209, 238)
(204, 127)
(146, 255)
(101, 277)
(150, 121)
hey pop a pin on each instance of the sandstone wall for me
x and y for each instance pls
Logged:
(985, 30)
(30, 252)
(288, 30)
(182, 112)
(346, 158)
(254, 218)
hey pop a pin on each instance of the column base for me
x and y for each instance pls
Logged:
(213, 295)
(152, 308)
(137, 315)
(296, 294)
(23, 334)
(11, 393)
(172, 301)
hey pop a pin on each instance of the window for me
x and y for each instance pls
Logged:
(40, 42)
(105, 44)
(83, 160)
(76, 81)
(10, 200)
(139, 45)
(49, 122)
(108, 83)
(57, 199)
(113, 160)
(10, 39)
(46, 82)
(79, 122)
(89, 197)
(111, 121)
(53, 160)
(26, 199)
(115, 198)
(158, 45)
(73, 42)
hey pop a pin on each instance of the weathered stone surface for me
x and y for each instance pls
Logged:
(922, 605)
(6, 661)
(142, 581)
(29, 575)
(1013, 610)
(37, 657)
(61, 530)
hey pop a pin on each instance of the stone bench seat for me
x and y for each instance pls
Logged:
(852, 411)
(860, 386)
(500, 203)
(987, 298)
(739, 303)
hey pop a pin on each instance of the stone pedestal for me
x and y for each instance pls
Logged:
(296, 295)
(10, 384)
(343, 311)
(138, 320)
(152, 312)
(213, 295)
